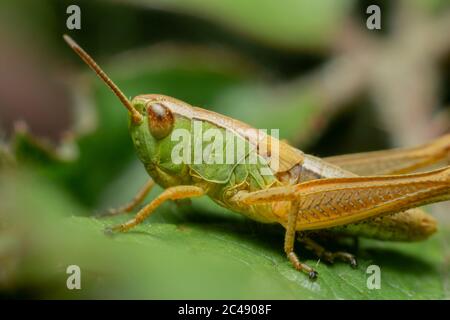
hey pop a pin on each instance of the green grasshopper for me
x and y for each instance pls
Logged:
(370, 195)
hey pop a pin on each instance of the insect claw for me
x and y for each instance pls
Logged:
(108, 231)
(313, 274)
(347, 257)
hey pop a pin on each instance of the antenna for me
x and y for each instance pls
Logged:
(136, 116)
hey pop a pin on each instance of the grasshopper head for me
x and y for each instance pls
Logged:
(157, 124)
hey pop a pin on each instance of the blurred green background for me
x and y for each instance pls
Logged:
(310, 68)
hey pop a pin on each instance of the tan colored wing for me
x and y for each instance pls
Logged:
(326, 203)
(395, 161)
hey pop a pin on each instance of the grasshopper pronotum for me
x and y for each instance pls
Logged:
(367, 194)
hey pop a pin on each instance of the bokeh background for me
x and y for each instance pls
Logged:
(309, 68)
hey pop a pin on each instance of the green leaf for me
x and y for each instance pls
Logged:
(291, 24)
(202, 251)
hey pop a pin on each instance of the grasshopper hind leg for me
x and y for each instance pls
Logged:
(326, 255)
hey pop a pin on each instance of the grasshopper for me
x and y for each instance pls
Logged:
(373, 195)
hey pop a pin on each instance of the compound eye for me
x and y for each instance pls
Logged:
(160, 119)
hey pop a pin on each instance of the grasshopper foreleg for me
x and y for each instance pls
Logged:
(140, 196)
(173, 193)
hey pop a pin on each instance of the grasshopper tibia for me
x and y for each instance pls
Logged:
(289, 240)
